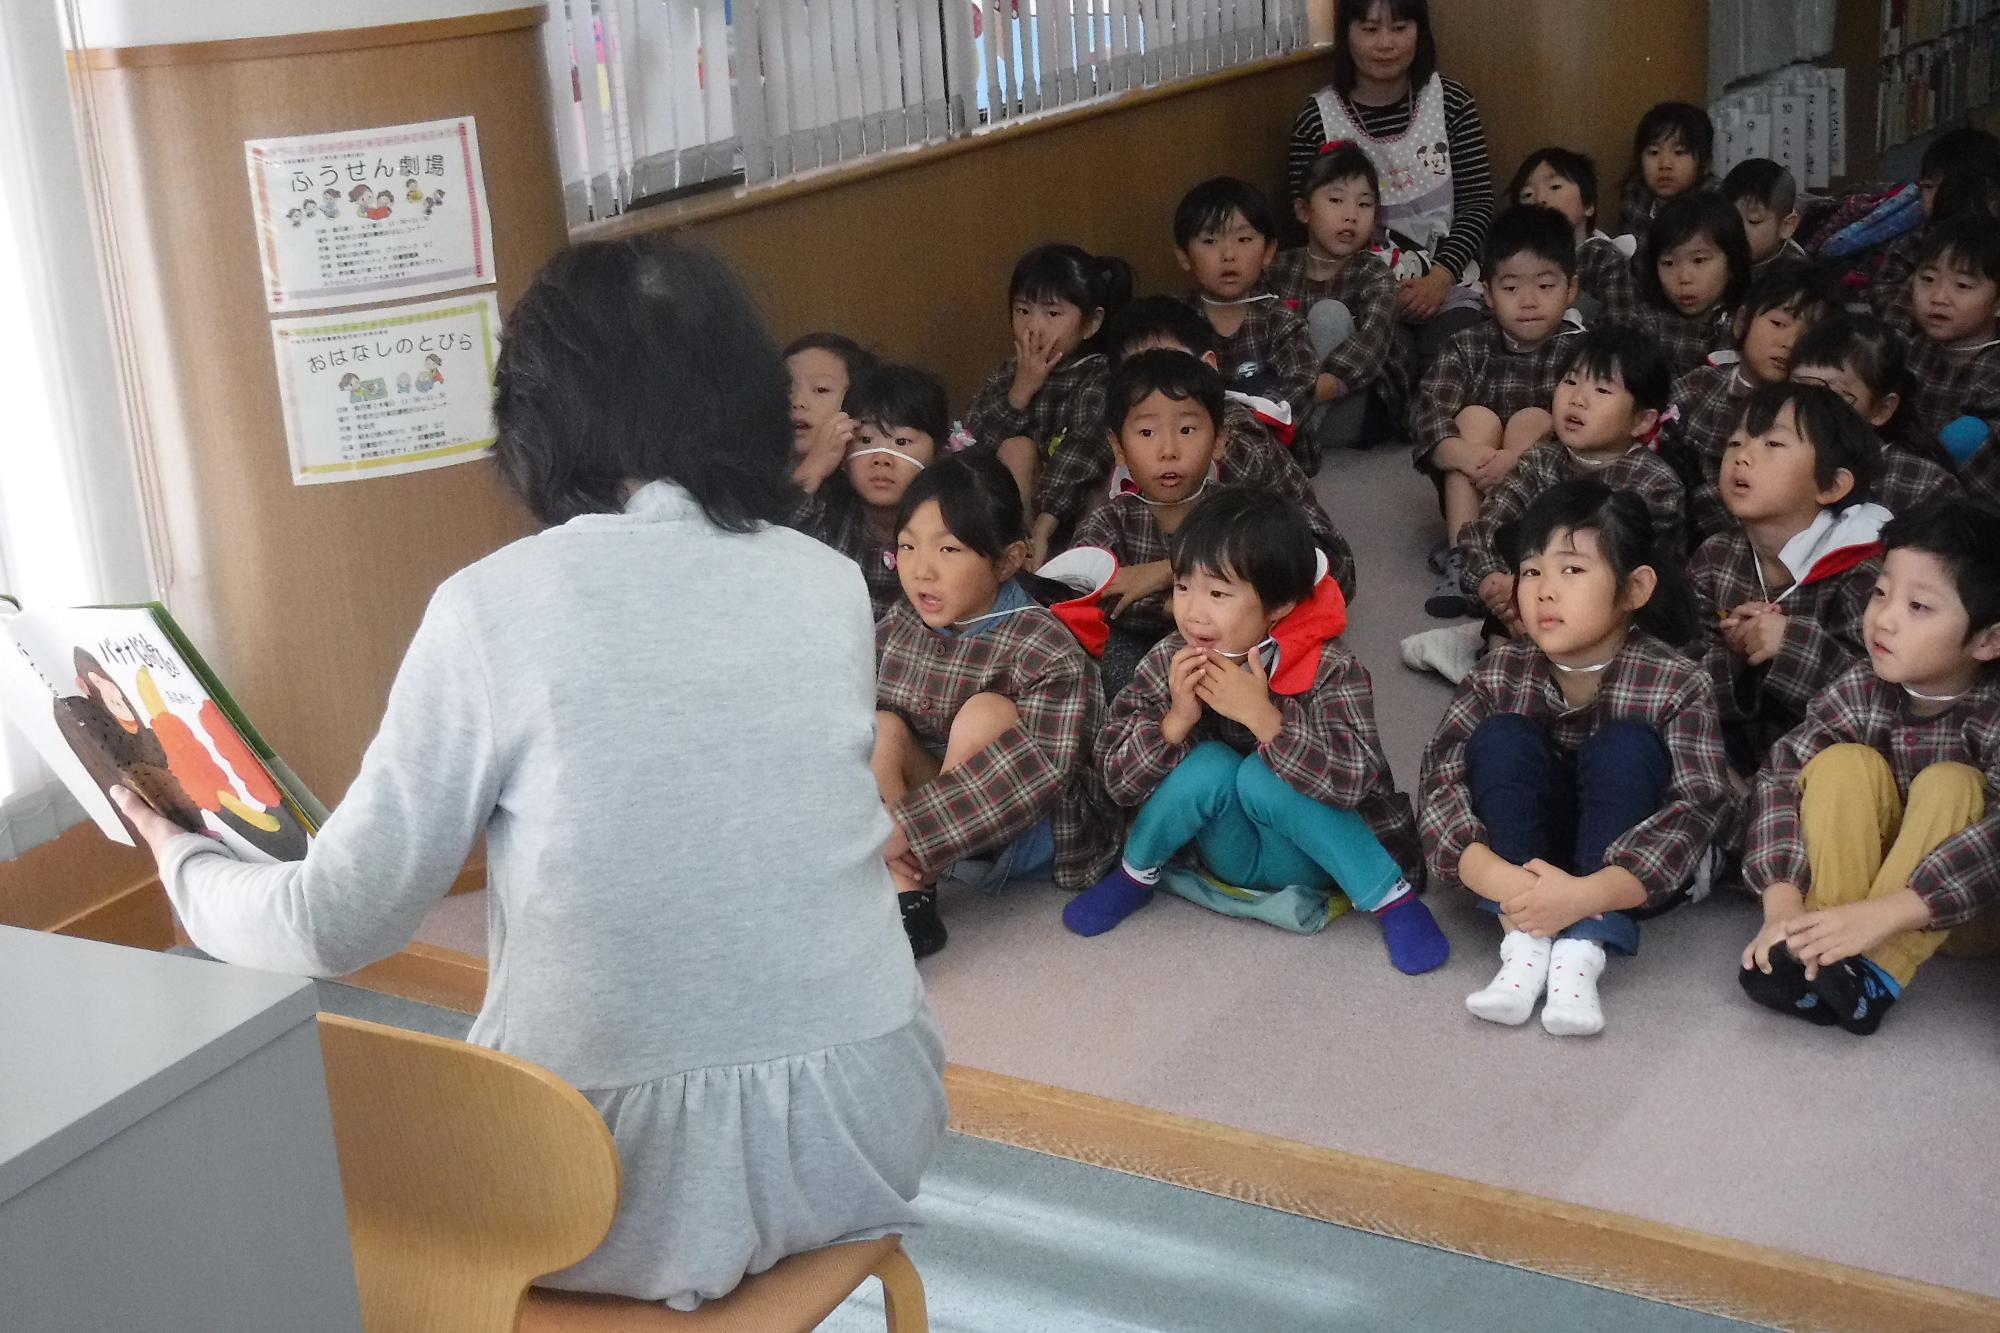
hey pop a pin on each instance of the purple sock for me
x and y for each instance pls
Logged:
(1416, 945)
(1106, 903)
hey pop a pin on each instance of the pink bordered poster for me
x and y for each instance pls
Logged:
(365, 216)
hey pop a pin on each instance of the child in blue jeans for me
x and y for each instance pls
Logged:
(1250, 733)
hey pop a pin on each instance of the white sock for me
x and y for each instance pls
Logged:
(1573, 1009)
(1142, 876)
(1524, 970)
(1397, 892)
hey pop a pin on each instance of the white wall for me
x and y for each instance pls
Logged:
(114, 23)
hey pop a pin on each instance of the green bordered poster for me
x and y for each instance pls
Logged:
(374, 393)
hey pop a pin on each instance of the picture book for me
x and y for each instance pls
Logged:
(117, 696)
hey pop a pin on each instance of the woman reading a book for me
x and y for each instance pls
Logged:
(659, 712)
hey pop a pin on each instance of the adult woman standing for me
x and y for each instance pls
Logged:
(660, 712)
(1424, 135)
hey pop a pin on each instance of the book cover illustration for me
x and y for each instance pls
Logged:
(114, 696)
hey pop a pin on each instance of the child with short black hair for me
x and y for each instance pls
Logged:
(1250, 733)
(1694, 270)
(1783, 589)
(1767, 199)
(986, 705)
(901, 422)
(1348, 300)
(1566, 180)
(1050, 394)
(1166, 416)
(1860, 358)
(1708, 400)
(1873, 829)
(823, 367)
(1672, 152)
(1947, 181)
(1578, 778)
(1485, 400)
(1225, 237)
(1954, 351)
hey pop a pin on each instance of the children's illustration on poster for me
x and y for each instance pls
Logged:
(368, 215)
(376, 393)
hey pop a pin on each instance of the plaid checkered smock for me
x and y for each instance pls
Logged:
(1269, 355)
(1822, 634)
(1946, 385)
(1480, 367)
(834, 515)
(1604, 272)
(1957, 881)
(1685, 342)
(1709, 400)
(1908, 479)
(1638, 470)
(1648, 683)
(1041, 769)
(1372, 356)
(1329, 748)
(1889, 286)
(1066, 415)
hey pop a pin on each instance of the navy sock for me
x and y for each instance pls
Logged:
(1416, 945)
(1106, 903)
(1785, 988)
(1858, 992)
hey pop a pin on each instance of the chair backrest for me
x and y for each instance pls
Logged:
(468, 1174)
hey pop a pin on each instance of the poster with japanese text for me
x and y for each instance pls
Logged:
(367, 215)
(374, 393)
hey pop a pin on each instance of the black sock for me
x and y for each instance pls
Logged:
(921, 922)
(1785, 988)
(1856, 993)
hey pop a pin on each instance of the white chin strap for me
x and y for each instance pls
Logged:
(1245, 655)
(885, 449)
(1199, 491)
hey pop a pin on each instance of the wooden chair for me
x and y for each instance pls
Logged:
(469, 1174)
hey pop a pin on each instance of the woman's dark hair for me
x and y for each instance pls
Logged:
(1839, 436)
(1873, 352)
(1154, 319)
(980, 504)
(1210, 205)
(1529, 229)
(636, 361)
(891, 395)
(1697, 213)
(1969, 243)
(1959, 532)
(1162, 370)
(1673, 122)
(858, 359)
(1571, 165)
(1628, 355)
(1345, 161)
(1805, 290)
(1069, 273)
(1347, 13)
(1625, 538)
(1250, 533)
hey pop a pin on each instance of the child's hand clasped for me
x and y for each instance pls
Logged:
(1557, 901)
(1496, 591)
(1755, 631)
(1241, 693)
(1135, 583)
(1184, 673)
(1830, 934)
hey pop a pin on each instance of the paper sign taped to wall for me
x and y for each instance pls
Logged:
(375, 393)
(366, 215)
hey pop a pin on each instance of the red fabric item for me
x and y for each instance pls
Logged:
(1841, 560)
(1303, 634)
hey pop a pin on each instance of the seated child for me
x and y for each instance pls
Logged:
(1348, 300)
(1050, 394)
(1672, 151)
(1875, 827)
(1709, 399)
(1954, 350)
(1767, 199)
(1166, 416)
(1783, 590)
(1860, 358)
(1578, 779)
(987, 706)
(1610, 399)
(1267, 761)
(1950, 164)
(900, 425)
(1694, 270)
(1485, 400)
(1225, 236)
(1566, 181)
(823, 367)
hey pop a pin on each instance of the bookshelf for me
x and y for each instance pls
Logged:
(1916, 66)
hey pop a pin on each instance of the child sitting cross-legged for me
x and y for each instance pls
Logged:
(1875, 826)
(1166, 416)
(986, 705)
(1485, 400)
(1783, 590)
(1694, 270)
(1860, 358)
(1708, 400)
(1766, 197)
(1225, 236)
(1578, 778)
(1250, 734)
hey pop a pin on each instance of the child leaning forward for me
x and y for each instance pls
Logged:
(1250, 733)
